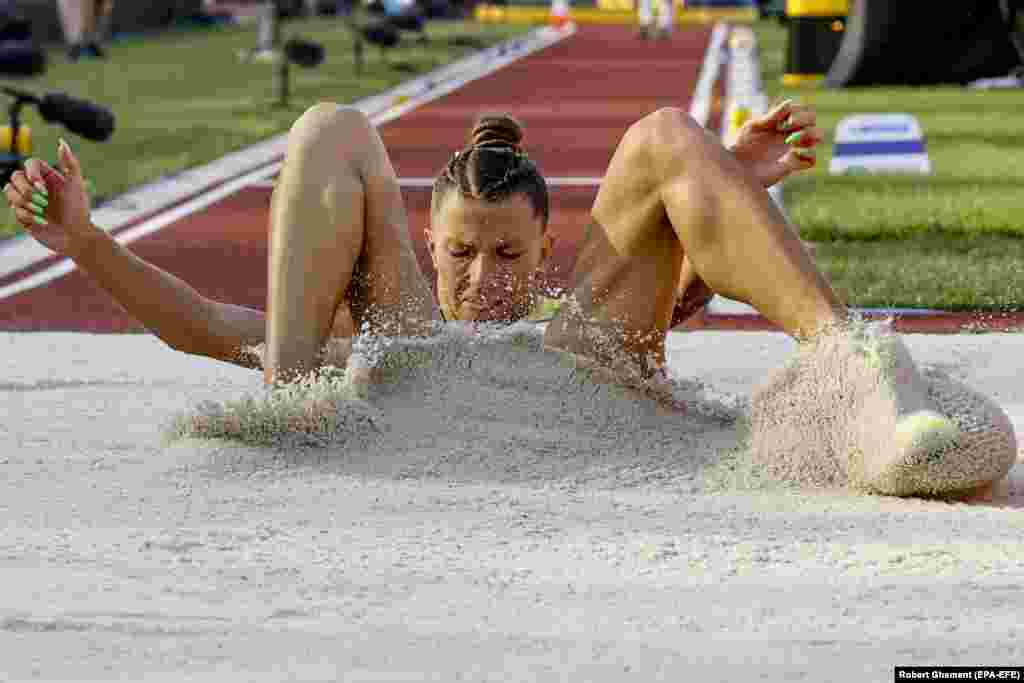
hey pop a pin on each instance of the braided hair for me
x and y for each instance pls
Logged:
(493, 167)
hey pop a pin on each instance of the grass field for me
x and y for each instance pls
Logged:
(953, 240)
(183, 99)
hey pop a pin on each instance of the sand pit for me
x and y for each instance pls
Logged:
(448, 530)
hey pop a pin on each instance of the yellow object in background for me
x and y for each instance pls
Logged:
(616, 5)
(22, 146)
(817, 8)
(816, 29)
(621, 12)
(740, 115)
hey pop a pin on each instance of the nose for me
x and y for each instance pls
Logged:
(487, 277)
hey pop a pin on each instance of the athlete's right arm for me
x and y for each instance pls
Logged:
(54, 209)
(170, 308)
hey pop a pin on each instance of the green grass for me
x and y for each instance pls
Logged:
(952, 240)
(183, 99)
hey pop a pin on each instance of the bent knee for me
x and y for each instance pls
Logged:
(325, 123)
(662, 134)
(671, 128)
(672, 142)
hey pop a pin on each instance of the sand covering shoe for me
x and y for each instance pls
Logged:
(852, 409)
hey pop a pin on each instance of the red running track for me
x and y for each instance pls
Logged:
(575, 99)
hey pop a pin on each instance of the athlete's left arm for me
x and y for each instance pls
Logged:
(779, 143)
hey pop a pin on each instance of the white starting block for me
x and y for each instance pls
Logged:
(879, 143)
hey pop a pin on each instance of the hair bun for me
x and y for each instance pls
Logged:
(496, 130)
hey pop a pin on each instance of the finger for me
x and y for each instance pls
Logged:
(799, 159)
(48, 174)
(15, 199)
(12, 195)
(41, 175)
(780, 114)
(29, 219)
(34, 174)
(34, 202)
(27, 193)
(802, 117)
(775, 117)
(782, 109)
(805, 138)
(68, 159)
(21, 184)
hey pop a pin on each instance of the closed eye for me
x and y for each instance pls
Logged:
(511, 256)
(459, 253)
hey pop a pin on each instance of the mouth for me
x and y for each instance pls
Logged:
(485, 312)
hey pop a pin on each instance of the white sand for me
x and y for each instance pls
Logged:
(506, 544)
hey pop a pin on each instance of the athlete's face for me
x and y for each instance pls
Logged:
(486, 255)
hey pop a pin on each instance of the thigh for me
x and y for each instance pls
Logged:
(623, 288)
(388, 290)
(338, 241)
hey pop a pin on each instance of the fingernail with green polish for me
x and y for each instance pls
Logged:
(40, 220)
(38, 209)
(38, 198)
(795, 137)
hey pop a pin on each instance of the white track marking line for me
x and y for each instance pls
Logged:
(700, 105)
(25, 252)
(65, 266)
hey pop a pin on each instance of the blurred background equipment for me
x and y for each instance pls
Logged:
(906, 43)
(128, 16)
(269, 48)
(81, 117)
(412, 21)
(303, 53)
(879, 143)
(816, 29)
(381, 33)
(1013, 12)
(20, 54)
(268, 34)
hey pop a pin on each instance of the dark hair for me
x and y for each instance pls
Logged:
(493, 167)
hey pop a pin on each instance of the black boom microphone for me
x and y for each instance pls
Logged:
(79, 116)
(304, 53)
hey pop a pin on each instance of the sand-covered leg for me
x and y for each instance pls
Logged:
(853, 409)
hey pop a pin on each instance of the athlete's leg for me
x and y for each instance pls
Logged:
(340, 251)
(692, 294)
(73, 20)
(671, 190)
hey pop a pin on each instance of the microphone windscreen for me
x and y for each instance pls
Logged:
(304, 53)
(78, 116)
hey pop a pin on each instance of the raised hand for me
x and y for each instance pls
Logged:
(779, 143)
(52, 206)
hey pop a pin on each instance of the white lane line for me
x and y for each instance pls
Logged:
(700, 105)
(570, 181)
(65, 266)
(24, 252)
